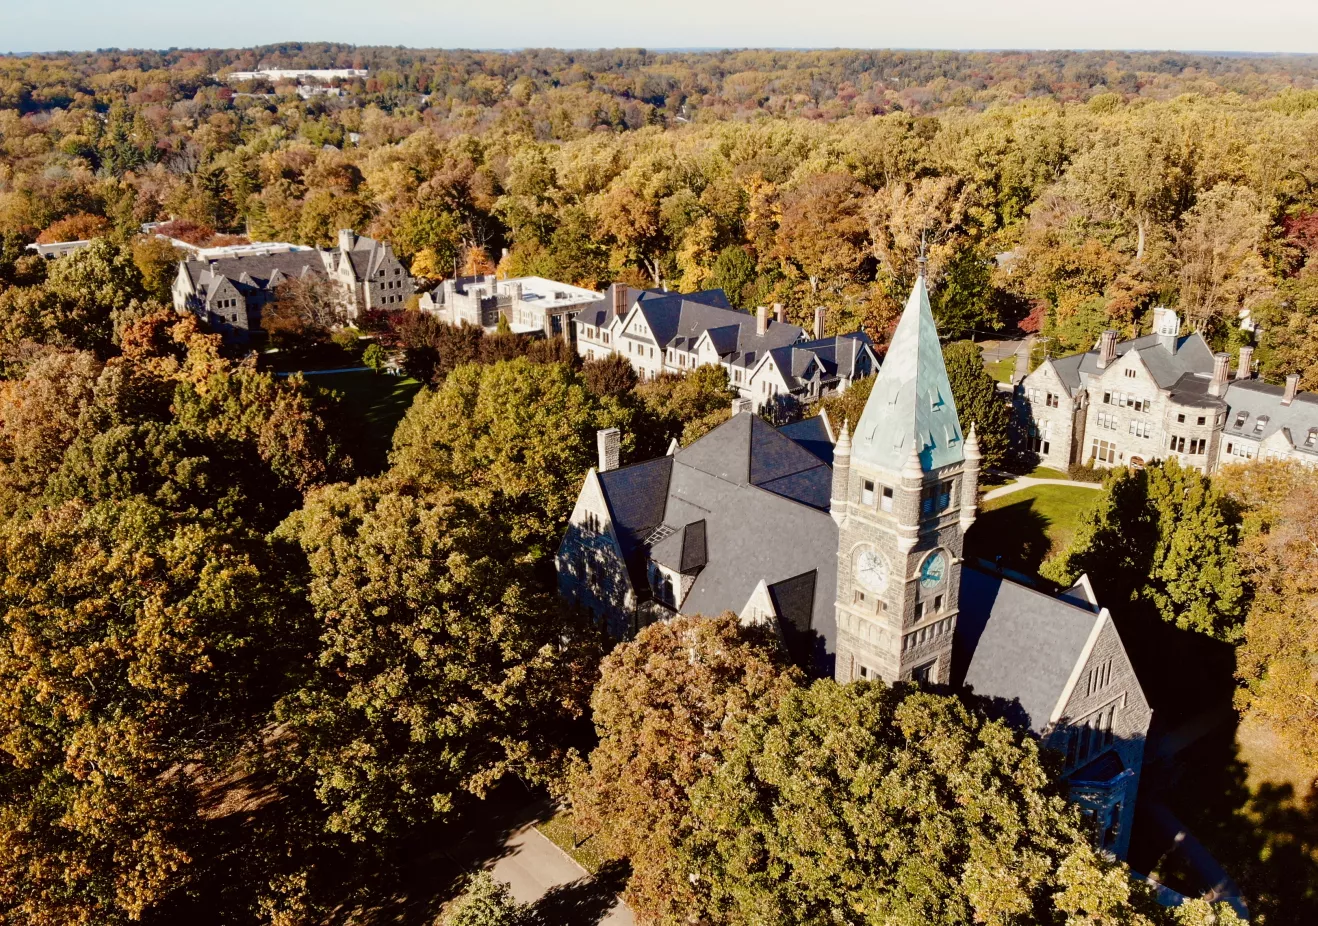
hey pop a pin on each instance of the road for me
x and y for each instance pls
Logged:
(537, 871)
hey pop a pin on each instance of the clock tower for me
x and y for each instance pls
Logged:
(904, 494)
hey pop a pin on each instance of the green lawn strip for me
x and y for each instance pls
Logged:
(1001, 370)
(1045, 472)
(559, 830)
(1028, 526)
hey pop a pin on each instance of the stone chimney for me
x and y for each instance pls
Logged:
(1167, 326)
(1245, 370)
(779, 313)
(761, 320)
(1292, 387)
(1221, 373)
(1107, 349)
(741, 404)
(610, 448)
(347, 238)
(819, 323)
(620, 299)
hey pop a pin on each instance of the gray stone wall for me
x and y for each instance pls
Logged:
(591, 570)
(1130, 725)
(1057, 423)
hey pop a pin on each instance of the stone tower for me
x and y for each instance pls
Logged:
(904, 491)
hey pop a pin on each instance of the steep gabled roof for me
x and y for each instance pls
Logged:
(1258, 399)
(911, 405)
(748, 451)
(679, 320)
(1018, 645)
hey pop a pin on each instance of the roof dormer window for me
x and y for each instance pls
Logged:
(1312, 439)
(1241, 419)
(1260, 424)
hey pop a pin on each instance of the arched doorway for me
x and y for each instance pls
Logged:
(1136, 462)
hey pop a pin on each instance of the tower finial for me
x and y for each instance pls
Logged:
(922, 261)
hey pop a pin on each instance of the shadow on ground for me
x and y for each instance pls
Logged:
(584, 902)
(1264, 835)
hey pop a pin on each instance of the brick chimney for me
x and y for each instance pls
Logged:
(779, 314)
(761, 320)
(1107, 349)
(609, 441)
(1292, 387)
(1245, 370)
(619, 299)
(1221, 373)
(819, 323)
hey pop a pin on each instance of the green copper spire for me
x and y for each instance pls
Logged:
(911, 405)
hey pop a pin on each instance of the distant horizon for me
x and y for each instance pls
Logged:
(667, 50)
(1261, 27)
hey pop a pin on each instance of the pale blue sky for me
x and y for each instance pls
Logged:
(1237, 25)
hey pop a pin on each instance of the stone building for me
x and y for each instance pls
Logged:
(229, 292)
(1160, 396)
(529, 304)
(772, 524)
(369, 274)
(767, 360)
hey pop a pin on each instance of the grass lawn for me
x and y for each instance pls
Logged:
(1045, 472)
(558, 830)
(1028, 526)
(378, 402)
(1001, 370)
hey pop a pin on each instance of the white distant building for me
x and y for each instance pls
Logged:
(274, 75)
(530, 304)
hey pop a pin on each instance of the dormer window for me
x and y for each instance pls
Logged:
(1312, 439)
(1260, 424)
(1240, 420)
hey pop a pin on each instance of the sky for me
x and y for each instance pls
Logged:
(1188, 25)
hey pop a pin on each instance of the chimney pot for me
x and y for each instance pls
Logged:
(1107, 349)
(1245, 369)
(819, 323)
(1221, 369)
(761, 320)
(609, 441)
(1292, 387)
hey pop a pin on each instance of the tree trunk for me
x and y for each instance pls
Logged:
(1140, 225)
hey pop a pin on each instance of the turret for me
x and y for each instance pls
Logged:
(970, 480)
(908, 515)
(841, 473)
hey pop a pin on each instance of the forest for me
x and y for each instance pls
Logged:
(250, 674)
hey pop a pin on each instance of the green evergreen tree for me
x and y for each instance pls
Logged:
(978, 401)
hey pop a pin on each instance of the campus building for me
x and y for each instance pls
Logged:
(851, 545)
(1160, 396)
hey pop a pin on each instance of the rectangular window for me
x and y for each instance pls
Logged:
(1180, 419)
(1052, 400)
(1104, 451)
(864, 672)
(859, 597)
(885, 501)
(938, 603)
(1201, 421)
(919, 611)
(1131, 374)
(867, 493)
(1107, 398)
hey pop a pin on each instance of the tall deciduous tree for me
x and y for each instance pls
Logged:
(441, 667)
(667, 707)
(896, 806)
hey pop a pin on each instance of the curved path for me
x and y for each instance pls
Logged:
(1026, 482)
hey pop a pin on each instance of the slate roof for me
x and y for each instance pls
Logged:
(832, 358)
(911, 405)
(812, 434)
(1257, 399)
(257, 268)
(743, 504)
(1192, 356)
(1017, 644)
(678, 320)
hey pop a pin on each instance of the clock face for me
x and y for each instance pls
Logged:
(871, 570)
(933, 571)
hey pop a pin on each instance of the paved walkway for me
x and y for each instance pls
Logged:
(537, 871)
(1026, 482)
